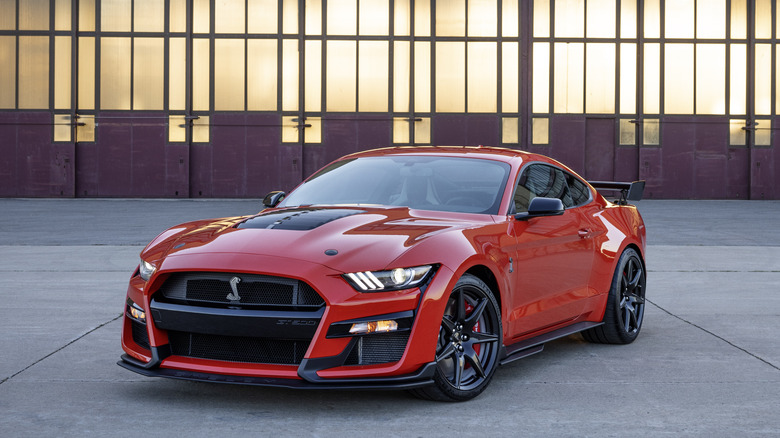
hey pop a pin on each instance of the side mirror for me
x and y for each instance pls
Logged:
(542, 207)
(273, 199)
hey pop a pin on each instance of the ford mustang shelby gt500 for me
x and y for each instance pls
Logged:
(417, 268)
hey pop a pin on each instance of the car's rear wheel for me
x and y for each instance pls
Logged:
(468, 345)
(625, 305)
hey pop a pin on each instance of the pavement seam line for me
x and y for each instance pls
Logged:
(715, 335)
(60, 349)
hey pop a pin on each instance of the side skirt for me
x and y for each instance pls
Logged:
(534, 345)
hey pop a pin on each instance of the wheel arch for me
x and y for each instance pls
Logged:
(489, 278)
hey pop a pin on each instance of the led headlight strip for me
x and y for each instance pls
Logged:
(395, 279)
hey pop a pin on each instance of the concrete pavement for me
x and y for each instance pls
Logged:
(707, 362)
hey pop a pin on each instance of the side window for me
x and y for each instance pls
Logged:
(540, 180)
(580, 194)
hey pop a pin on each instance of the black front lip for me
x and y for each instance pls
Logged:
(422, 377)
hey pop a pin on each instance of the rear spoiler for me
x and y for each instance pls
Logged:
(629, 191)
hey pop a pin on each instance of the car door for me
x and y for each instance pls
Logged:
(554, 255)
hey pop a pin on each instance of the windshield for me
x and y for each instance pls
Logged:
(456, 184)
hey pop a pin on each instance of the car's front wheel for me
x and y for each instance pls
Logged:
(468, 345)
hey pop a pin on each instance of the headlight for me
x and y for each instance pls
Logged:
(395, 279)
(146, 270)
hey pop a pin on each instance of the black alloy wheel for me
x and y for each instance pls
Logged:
(468, 345)
(626, 303)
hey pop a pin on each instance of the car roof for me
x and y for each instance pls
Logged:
(485, 152)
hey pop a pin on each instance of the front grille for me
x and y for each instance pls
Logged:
(238, 348)
(376, 349)
(140, 335)
(255, 291)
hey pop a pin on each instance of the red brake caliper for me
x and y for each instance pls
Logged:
(469, 308)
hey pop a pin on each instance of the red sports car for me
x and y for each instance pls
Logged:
(416, 268)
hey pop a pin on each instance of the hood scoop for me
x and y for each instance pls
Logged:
(297, 219)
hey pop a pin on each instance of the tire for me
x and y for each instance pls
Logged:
(469, 343)
(625, 305)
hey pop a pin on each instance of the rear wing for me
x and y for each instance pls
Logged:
(629, 191)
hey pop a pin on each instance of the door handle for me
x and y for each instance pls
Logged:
(585, 233)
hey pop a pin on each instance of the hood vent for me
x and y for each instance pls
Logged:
(297, 219)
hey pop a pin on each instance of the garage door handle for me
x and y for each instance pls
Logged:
(585, 233)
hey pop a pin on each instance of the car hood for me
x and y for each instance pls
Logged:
(343, 239)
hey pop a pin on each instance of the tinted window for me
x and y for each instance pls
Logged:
(540, 180)
(580, 194)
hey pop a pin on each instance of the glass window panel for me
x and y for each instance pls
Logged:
(652, 18)
(600, 78)
(401, 130)
(290, 16)
(200, 75)
(7, 15)
(177, 128)
(8, 71)
(373, 75)
(62, 15)
(62, 70)
(115, 73)
(737, 135)
(540, 130)
(651, 134)
(313, 76)
(710, 79)
(739, 18)
(738, 79)
(509, 130)
(541, 78)
(679, 18)
(541, 18)
(763, 132)
(628, 78)
(651, 90)
(483, 17)
(422, 17)
(401, 70)
(85, 130)
(290, 75)
(569, 18)
(33, 72)
(342, 17)
(200, 129)
(201, 12)
(450, 17)
(313, 133)
(290, 129)
(510, 21)
(229, 80)
(229, 17)
(86, 73)
(374, 17)
(313, 17)
(262, 74)
(482, 73)
(149, 15)
(148, 73)
(763, 79)
(450, 77)
(340, 75)
(86, 15)
(763, 18)
(568, 77)
(422, 76)
(263, 15)
(402, 19)
(62, 127)
(177, 74)
(422, 130)
(178, 14)
(628, 19)
(601, 18)
(627, 132)
(510, 79)
(34, 15)
(710, 18)
(678, 79)
(115, 15)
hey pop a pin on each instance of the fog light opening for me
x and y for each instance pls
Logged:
(135, 312)
(382, 326)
